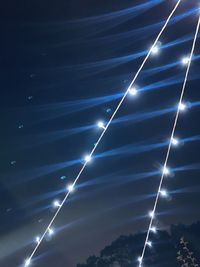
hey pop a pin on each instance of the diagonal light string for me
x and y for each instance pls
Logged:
(170, 143)
(105, 129)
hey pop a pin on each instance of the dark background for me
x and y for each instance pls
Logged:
(64, 65)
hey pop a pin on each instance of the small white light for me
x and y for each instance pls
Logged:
(185, 60)
(182, 106)
(50, 231)
(27, 262)
(174, 141)
(151, 214)
(149, 244)
(37, 239)
(56, 203)
(87, 158)
(153, 229)
(155, 49)
(139, 260)
(166, 170)
(100, 124)
(70, 187)
(163, 193)
(133, 91)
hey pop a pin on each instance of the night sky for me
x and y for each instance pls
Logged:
(65, 65)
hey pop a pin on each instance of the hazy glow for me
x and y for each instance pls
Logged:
(50, 231)
(70, 187)
(156, 48)
(149, 244)
(166, 170)
(37, 239)
(174, 141)
(182, 106)
(151, 214)
(100, 124)
(133, 91)
(185, 60)
(163, 193)
(27, 263)
(87, 158)
(56, 203)
(153, 229)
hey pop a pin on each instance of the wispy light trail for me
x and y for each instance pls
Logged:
(135, 34)
(104, 22)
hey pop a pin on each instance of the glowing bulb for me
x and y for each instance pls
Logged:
(153, 229)
(163, 193)
(56, 204)
(166, 170)
(149, 244)
(50, 231)
(185, 60)
(87, 158)
(133, 91)
(155, 49)
(27, 262)
(174, 141)
(70, 187)
(182, 106)
(100, 124)
(37, 239)
(151, 214)
(139, 260)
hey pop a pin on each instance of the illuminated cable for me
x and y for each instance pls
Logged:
(89, 157)
(152, 213)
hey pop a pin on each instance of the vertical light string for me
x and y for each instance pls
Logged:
(170, 144)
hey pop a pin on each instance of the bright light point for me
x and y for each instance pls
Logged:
(149, 244)
(155, 50)
(50, 231)
(87, 158)
(174, 141)
(182, 106)
(139, 260)
(56, 204)
(185, 60)
(133, 91)
(163, 193)
(153, 229)
(70, 187)
(151, 214)
(37, 239)
(100, 124)
(166, 170)
(27, 262)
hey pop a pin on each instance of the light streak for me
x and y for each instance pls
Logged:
(88, 157)
(170, 143)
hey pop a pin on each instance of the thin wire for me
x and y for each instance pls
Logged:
(105, 129)
(170, 143)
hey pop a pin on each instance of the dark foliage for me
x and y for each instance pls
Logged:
(124, 251)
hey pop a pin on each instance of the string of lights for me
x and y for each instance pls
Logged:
(173, 142)
(154, 49)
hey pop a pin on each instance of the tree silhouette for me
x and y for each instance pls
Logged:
(169, 249)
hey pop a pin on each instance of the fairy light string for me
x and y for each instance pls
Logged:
(152, 50)
(172, 142)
